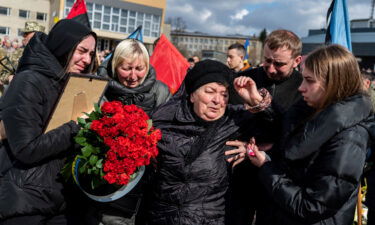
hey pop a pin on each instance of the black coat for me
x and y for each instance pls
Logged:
(148, 95)
(30, 185)
(192, 173)
(284, 94)
(317, 177)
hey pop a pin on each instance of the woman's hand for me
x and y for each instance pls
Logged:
(239, 153)
(257, 157)
(247, 89)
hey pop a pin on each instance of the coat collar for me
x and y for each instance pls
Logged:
(326, 124)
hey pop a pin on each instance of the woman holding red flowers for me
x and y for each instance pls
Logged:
(31, 189)
(192, 175)
(132, 81)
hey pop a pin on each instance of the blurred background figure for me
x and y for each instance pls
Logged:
(30, 28)
(196, 58)
(12, 52)
(191, 63)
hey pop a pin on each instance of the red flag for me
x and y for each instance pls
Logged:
(170, 65)
(79, 13)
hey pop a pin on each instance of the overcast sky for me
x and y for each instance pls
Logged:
(251, 16)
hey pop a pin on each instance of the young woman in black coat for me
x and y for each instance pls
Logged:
(31, 191)
(314, 178)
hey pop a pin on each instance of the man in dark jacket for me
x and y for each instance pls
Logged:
(282, 55)
(235, 60)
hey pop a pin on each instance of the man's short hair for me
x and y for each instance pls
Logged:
(190, 60)
(240, 48)
(368, 75)
(284, 38)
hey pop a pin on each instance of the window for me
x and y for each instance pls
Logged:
(114, 24)
(5, 11)
(4, 30)
(122, 29)
(97, 24)
(116, 11)
(19, 32)
(24, 14)
(124, 13)
(107, 10)
(41, 16)
(105, 26)
(89, 6)
(98, 7)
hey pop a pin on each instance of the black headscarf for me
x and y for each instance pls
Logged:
(205, 72)
(64, 37)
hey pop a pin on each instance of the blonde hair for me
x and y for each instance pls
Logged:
(338, 70)
(130, 49)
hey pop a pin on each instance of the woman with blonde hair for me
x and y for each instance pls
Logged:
(133, 79)
(314, 176)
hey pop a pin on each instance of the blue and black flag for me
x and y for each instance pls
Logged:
(338, 30)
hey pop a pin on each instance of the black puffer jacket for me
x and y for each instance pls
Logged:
(316, 180)
(149, 95)
(30, 186)
(189, 187)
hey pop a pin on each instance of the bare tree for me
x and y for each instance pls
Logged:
(263, 36)
(177, 23)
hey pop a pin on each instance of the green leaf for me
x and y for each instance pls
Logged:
(94, 116)
(93, 159)
(97, 108)
(99, 163)
(66, 171)
(96, 182)
(82, 169)
(87, 150)
(87, 125)
(88, 171)
(149, 124)
(80, 133)
(80, 140)
(96, 150)
(81, 122)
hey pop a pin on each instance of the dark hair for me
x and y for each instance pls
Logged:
(190, 60)
(368, 75)
(240, 48)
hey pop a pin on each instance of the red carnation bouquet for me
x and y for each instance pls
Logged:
(116, 140)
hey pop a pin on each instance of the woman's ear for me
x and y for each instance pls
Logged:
(192, 97)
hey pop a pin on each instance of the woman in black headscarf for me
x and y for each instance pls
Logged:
(31, 160)
(192, 175)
